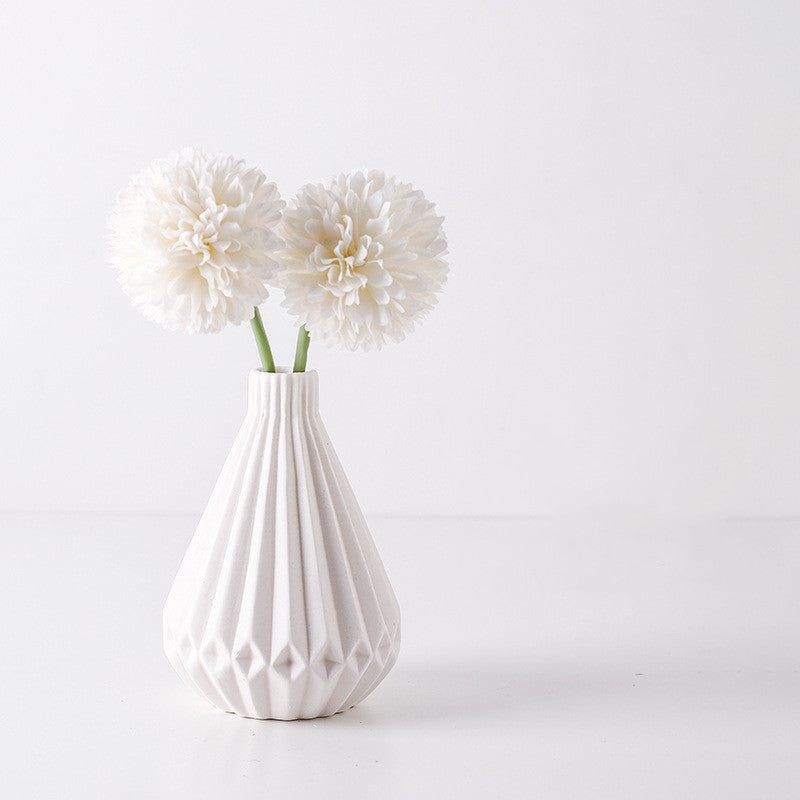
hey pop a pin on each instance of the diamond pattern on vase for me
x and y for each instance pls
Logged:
(281, 607)
(327, 665)
(289, 663)
(362, 655)
(249, 659)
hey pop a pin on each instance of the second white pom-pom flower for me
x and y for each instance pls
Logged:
(192, 238)
(363, 259)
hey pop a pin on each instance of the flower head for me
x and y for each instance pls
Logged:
(192, 238)
(363, 259)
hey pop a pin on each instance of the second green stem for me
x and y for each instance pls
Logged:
(301, 354)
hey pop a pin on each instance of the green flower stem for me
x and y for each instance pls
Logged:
(301, 354)
(262, 342)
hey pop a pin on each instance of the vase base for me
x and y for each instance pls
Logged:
(284, 719)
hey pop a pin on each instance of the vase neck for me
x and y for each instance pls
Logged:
(283, 392)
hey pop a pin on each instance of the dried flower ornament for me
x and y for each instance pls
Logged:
(196, 239)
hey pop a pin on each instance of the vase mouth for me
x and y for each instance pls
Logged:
(282, 371)
(282, 389)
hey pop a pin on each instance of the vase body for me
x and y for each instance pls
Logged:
(281, 608)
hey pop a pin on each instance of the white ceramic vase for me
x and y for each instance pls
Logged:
(281, 608)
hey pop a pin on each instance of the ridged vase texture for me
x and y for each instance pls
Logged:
(281, 608)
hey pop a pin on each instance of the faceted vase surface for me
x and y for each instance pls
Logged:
(281, 608)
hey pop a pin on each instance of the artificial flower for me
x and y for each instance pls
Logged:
(193, 240)
(363, 259)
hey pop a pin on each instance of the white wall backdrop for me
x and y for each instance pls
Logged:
(620, 186)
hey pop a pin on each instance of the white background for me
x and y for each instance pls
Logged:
(620, 187)
(568, 659)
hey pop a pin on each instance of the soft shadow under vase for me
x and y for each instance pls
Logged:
(281, 608)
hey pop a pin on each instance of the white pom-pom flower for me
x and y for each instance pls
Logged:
(192, 238)
(362, 261)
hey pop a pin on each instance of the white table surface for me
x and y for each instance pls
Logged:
(568, 658)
